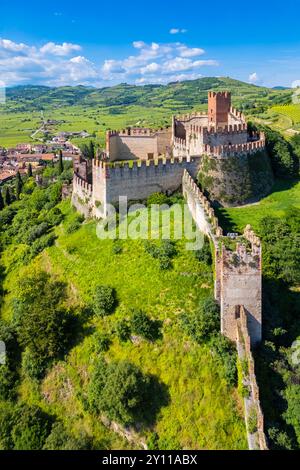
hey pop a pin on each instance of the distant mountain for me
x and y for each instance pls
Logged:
(174, 96)
(280, 88)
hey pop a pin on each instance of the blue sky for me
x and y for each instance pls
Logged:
(103, 43)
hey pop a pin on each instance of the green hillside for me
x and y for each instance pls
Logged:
(96, 110)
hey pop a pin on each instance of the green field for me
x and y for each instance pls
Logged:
(285, 197)
(202, 411)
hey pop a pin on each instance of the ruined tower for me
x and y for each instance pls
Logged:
(219, 105)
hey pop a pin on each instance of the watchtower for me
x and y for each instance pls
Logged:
(219, 105)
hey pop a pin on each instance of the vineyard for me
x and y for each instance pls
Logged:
(292, 111)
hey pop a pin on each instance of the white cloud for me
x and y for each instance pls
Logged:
(177, 30)
(138, 44)
(59, 49)
(190, 51)
(296, 83)
(56, 64)
(253, 77)
(11, 46)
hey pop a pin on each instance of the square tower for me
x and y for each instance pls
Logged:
(219, 105)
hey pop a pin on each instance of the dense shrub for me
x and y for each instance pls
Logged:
(203, 323)
(104, 300)
(102, 342)
(164, 252)
(60, 439)
(120, 391)
(204, 254)
(8, 371)
(33, 365)
(142, 325)
(281, 247)
(41, 243)
(225, 353)
(123, 330)
(24, 427)
(157, 198)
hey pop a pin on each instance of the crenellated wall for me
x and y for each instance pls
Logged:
(238, 290)
(238, 275)
(82, 196)
(139, 179)
(257, 440)
(137, 143)
(238, 271)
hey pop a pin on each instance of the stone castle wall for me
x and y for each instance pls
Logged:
(133, 144)
(239, 283)
(238, 272)
(252, 402)
(82, 196)
(138, 180)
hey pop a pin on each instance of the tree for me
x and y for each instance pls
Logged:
(30, 429)
(88, 151)
(104, 300)
(42, 323)
(1, 201)
(19, 185)
(120, 391)
(7, 196)
(29, 171)
(60, 163)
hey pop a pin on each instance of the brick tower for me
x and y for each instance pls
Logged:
(219, 105)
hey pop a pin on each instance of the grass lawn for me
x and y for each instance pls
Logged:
(285, 196)
(198, 411)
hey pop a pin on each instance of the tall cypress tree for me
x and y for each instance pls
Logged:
(29, 172)
(60, 163)
(7, 196)
(91, 150)
(19, 185)
(1, 200)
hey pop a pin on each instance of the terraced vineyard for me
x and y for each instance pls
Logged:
(292, 111)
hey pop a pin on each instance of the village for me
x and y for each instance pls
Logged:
(19, 157)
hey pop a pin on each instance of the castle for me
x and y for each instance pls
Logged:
(215, 147)
(231, 168)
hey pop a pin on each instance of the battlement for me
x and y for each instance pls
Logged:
(137, 165)
(226, 130)
(219, 94)
(190, 116)
(237, 149)
(196, 195)
(237, 114)
(135, 132)
(80, 183)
